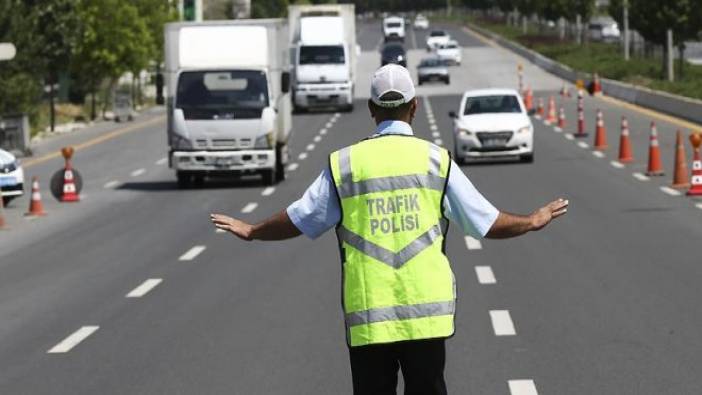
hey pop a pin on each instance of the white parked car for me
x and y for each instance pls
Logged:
(11, 177)
(492, 123)
(437, 37)
(450, 52)
(394, 28)
(421, 22)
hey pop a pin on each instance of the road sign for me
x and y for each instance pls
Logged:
(7, 51)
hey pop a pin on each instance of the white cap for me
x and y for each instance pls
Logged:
(392, 78)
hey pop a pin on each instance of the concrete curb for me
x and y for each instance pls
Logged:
(675, 105)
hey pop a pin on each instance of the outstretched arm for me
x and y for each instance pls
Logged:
(277, 227)
(510, 225)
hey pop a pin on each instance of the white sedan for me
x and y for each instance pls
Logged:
(421, 22)
(436, 38)
(450, 52)
(492, 123)
(11, 177)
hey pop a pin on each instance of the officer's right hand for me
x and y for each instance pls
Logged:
(239, 228)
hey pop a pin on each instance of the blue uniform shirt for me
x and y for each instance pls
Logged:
(318, 209)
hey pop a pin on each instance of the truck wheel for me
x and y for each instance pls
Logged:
(269, 177)
(349, 108)
(184, 179)
(448, 80)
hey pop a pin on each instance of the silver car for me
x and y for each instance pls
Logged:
(433, 69)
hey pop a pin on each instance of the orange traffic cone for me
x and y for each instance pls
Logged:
(581, 116)
(529, 99)
(36, 209)
(70, 192)
(655, 166)
(600, 132)
(680, 179)
(696, 188)
(596, 85)
(561, 119)
(564, 91)
(551, 117)
(625, 152)
(540, 108)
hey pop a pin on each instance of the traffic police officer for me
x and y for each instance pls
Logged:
(390, 198)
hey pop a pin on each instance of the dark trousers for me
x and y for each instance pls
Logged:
(374, 368)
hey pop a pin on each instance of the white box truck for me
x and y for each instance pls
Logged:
(229, 110)
(324, 55)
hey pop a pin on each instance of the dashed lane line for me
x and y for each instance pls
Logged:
(302, 156)
(249, 208)
(111, 184)
(598, 154)
(502, 323)
(329, 124)
(317, 139)
(161, 161)
(293, 166)
(557, 129)
(583, 145)
(310, 147)
(73, 339)
(218, 230)
(485, 275)
(617, 164)
(670, 191)
(138, 172)
(699, 206)
(435, 134)
(473, 244)
(144, 288)
(569, 136)
(522, 387)
(192, 253)
(323, 132)
(268, 191)
(641, 176)
(438, 142)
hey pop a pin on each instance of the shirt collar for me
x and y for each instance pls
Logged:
(393, 127)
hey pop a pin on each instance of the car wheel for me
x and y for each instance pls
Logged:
(269, 177)
(7, 199)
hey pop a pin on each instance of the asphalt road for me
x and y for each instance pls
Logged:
(605, 301)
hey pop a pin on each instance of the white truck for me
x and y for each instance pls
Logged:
(324, 54)
(394, 29)
(229, 110)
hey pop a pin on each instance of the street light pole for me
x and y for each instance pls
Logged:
(625, 17)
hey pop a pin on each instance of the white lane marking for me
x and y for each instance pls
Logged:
(268, 191)
(302, 156)
(329, 124)
(641, 177)
(433, 128)
(435, 134)
(583, 145)
(557, 129)
(249, 208)
(473, 244)
(218, 230)
(670, 191)
(337, 115)
(699, 206)
(144, 288)
(161, 161)
(502, 323)
(522, 387)
(438, 142)
(617, 164)
(310, 147)
(569, 136)
(485, 275)
(138, 172)
(73, 339)
(323, 132)
(598, 154)
(317, 139)
(293, 166)
(111, 184)
(192, 253)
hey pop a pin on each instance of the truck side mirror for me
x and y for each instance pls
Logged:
(452, 114)
(285, 81)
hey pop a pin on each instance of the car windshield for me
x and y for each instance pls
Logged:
(492, 104)
(322, 54)
(431, 63)
(437, 33)
(393, 50)
(393, 24)
(228, 94)
(452, 46)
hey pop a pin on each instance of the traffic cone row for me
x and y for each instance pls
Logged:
(551, 116)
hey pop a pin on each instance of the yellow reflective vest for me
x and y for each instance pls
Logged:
(397, 282)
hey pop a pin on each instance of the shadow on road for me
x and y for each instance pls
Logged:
(172, 185)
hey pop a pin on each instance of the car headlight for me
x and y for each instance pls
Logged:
(265, 140)
(181, 143)
(464, 133)
(525, 129)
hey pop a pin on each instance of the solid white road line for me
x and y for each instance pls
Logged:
(641, 177)
(310, 147)
(617, 164)
(569, 136)
(522, 387)
(473, 244)
(598, 154)
(192, 253)
(502, 323)
(249, 208)
(138, 172)
(293, 166)
(485, 275)
(111, 184)
(144, 288)
(73, 339)
(317, 139)
(583, 145)
(161, 161)
(268, 191)
(438, 142)
(323, 132)
(302, 156)
(670, 191)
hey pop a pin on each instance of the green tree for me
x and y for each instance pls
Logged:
(269, 8)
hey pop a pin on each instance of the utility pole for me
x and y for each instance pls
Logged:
(448, 7)
(669, 53)
(625, 17)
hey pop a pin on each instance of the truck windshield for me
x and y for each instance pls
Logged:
(322, 54)
(222, 94)
(393, 24)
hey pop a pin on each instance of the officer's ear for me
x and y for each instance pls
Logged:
(414, 104)
(371, 108)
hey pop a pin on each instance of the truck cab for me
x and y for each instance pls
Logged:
(394, 29)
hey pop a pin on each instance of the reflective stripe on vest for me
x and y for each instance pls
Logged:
(416, 303)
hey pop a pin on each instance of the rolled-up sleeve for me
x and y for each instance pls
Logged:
(318, 209)
(464, 205)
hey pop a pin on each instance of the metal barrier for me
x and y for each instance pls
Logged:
(14, 134)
